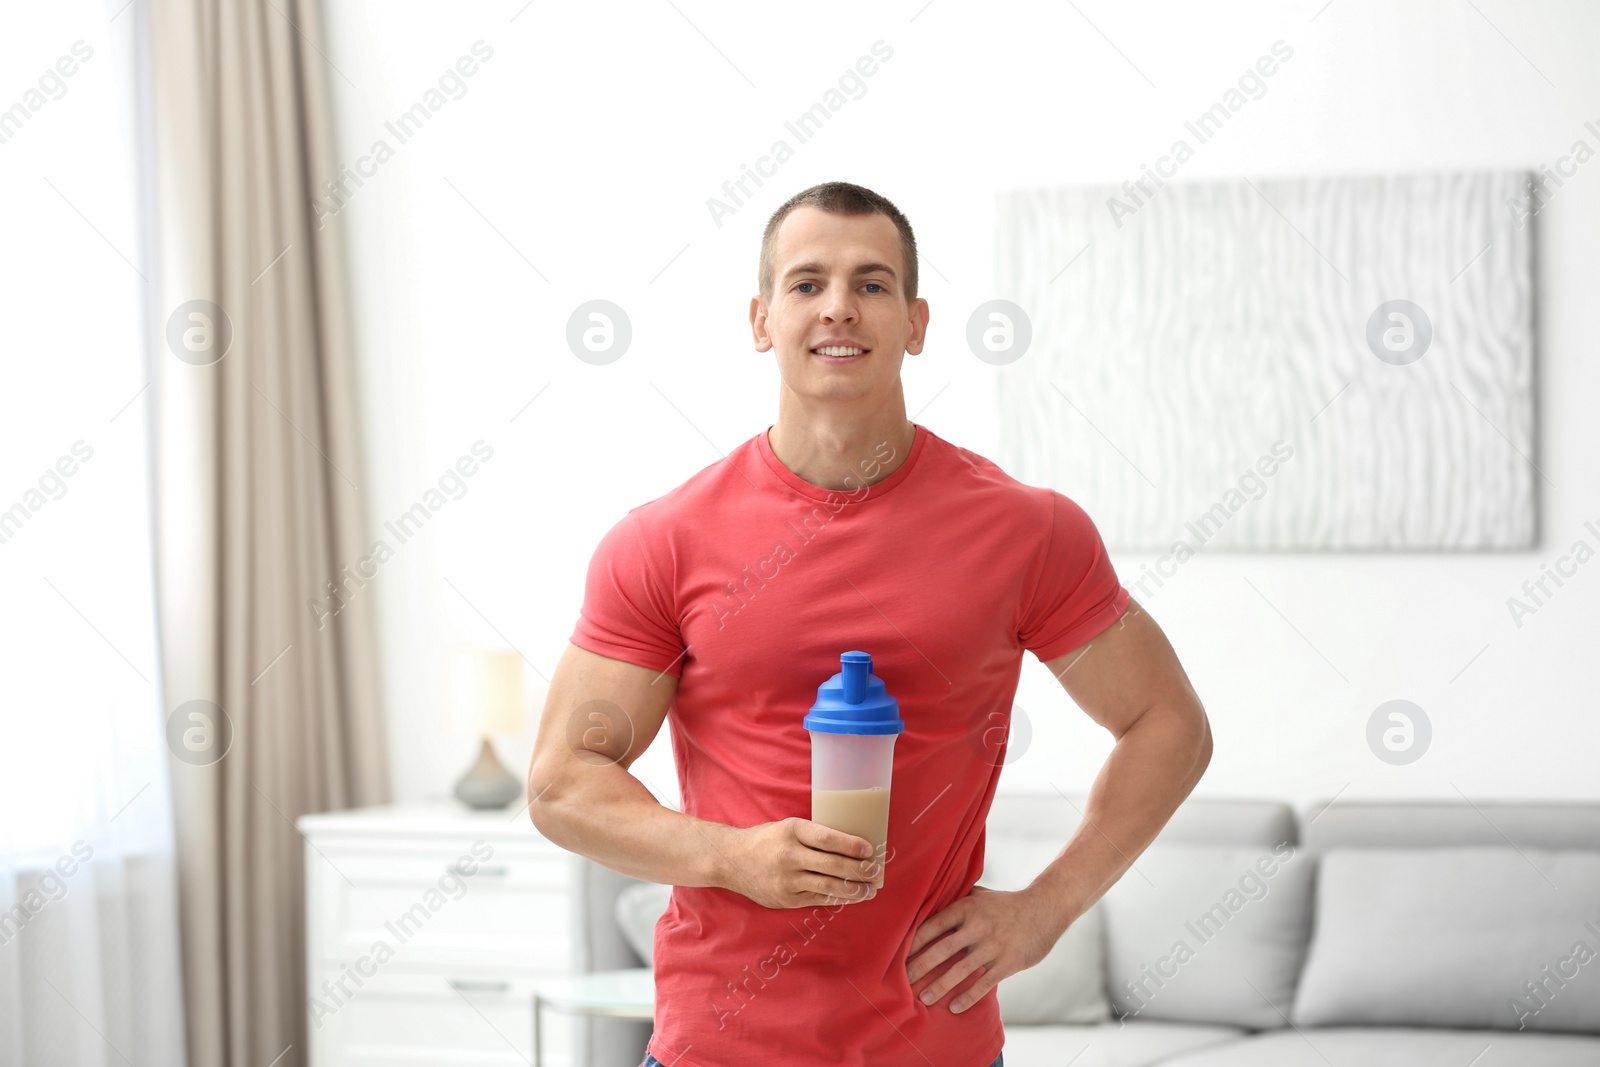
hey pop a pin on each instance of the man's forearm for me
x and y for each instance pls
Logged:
(1151, 770)
(603, 812)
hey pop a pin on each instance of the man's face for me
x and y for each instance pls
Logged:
(838, 278)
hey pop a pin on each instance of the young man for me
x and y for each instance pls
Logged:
(729, 600)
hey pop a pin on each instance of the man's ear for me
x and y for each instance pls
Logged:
(919, 327)
(758, 324)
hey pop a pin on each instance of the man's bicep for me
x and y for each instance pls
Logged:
(1123, 671)
(598, 711)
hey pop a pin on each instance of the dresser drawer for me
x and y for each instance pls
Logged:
(512, 912)
(472, 1017)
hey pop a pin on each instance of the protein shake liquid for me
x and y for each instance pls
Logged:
(853, 727)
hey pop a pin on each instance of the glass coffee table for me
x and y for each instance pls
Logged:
(629, 994)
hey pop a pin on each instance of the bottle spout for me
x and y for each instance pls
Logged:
(856, 668)
(854, 701)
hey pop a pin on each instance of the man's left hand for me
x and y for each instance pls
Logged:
(993, 934)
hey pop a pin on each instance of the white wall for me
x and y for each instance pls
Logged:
(578, 165)
(83, 711)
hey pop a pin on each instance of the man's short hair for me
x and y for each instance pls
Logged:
(840, 198)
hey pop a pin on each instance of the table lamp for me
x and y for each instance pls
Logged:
(484, 689)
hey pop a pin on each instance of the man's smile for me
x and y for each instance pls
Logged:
(839, 350)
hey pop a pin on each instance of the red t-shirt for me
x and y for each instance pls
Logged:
(747, 582)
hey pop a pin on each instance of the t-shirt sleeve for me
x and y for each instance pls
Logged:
(628, 610)
(1076, 593)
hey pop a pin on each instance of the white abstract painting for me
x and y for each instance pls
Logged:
(1327, 364)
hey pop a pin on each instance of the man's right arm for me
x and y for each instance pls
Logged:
(600, 715)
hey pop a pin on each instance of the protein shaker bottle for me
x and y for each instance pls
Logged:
(853, 725)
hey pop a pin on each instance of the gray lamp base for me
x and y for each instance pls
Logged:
(488, 784)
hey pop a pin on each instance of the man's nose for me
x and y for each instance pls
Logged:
(839, 308)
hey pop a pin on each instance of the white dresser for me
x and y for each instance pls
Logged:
(426, 930)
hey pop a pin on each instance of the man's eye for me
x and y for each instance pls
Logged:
(876, 285)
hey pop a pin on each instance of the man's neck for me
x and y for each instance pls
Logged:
(843, 453)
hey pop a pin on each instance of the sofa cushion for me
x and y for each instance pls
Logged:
(1208, 934)
(1052, 815)
(1418, 823)
(1134, 1043)
(638, 909)
(1068, 985)
(1392, 1047)
(1474, 937)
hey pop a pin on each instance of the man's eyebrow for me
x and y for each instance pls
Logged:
(821, 268)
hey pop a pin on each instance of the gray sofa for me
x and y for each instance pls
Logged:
(1359, 934)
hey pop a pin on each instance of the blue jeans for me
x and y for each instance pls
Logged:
(651, 1061)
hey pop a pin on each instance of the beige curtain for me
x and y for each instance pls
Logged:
(258, 507)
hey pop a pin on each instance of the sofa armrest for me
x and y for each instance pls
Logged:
(598, 945)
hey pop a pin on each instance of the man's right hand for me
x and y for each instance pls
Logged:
(797, 863)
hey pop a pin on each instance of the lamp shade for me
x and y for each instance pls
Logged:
(484, 691)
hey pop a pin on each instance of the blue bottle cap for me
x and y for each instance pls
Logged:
(854, 701)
